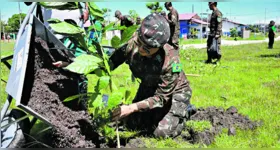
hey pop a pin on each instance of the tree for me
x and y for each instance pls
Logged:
(14, 21)
(233, 32)
(133, 14)
(154, 7)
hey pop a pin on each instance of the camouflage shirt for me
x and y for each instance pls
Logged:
(216, 23)
(173, 20)
(156, 73)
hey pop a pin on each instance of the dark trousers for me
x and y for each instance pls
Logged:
(210, 54)
(271, 41)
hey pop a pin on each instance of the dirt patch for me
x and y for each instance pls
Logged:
(220, 120)
(44, 91)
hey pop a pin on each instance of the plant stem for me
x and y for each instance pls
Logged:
(118, 136)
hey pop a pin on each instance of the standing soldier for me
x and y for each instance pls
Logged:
(173, 20)
(138, 21)
(215, 32)
(162, 103)
(126, 20)
(271, 34)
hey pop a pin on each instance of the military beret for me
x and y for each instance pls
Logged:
(154, 30)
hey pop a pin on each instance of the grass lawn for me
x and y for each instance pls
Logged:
(248, 78)
(192, 41)
(252, 37)
(6, 50)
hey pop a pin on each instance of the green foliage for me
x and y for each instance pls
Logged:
(233, 32)
(97, 63)
(95, 11)
(154, 7)
(194, 31)
(14, 21)
(116, 41)
(85, 64)
(127, 34)
(133, 14)
(198, 126)
(64, 28)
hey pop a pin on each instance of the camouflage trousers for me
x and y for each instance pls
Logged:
(162, 122)
(213, 54)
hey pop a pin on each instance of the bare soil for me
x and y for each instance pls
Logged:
(46, 87)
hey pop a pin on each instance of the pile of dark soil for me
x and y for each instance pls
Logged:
(220, 119)
(44, 90)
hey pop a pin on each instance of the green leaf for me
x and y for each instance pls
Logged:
(109, 26)
(80, 39)
(92, 48)
(97, 101)
(84, 64)
(54, 20)
(95, 27)
(116, 41)
(95, 11)
(99, 72)
(65, 28)
(115, 99)
(121, 28)
(102, 83)
(127, 95)
(127, 34)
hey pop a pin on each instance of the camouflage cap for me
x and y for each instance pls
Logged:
(117, 13)
(154, 30)
(210, 3)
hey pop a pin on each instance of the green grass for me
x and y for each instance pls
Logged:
(6, 50)
(198, 126)
(252, 37)
(192, 41)
(243, 79)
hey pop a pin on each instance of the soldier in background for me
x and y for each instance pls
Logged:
(138, 21)
(271, 34)
(126, 20)
(163, 98)
(173, 20)
(215, 32)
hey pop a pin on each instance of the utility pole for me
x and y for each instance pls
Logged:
(19, 14)
(192, 8)
(201, 24)
(265, 23)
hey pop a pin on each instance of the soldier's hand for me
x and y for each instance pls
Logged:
(123, 111)
(60, 64)
(217, 36)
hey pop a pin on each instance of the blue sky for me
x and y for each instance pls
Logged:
(243, 11)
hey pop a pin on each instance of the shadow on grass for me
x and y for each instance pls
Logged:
(270, 55)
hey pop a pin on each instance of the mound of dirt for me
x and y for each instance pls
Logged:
(219, 118)
(44, 90)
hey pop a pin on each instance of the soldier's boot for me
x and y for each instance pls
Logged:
(209, 60)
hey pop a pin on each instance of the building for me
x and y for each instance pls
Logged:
(227, 25)
(189, 21)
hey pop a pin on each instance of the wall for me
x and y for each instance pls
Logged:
(228, 25)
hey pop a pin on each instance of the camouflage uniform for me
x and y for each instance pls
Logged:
(215, 29)
(173, 20)
(164, 94)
